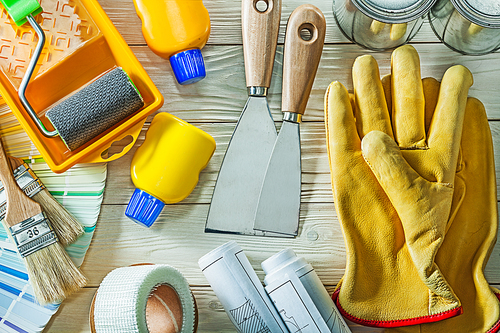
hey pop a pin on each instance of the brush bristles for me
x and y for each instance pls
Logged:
(52, 274)
(66, 227)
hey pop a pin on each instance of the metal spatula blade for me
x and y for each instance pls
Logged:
(279, 204)
(237, 190)
(282, 182)
(242, 172)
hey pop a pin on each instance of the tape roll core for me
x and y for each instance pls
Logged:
(161, 315)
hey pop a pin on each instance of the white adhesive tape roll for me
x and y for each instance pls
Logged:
(142, 299)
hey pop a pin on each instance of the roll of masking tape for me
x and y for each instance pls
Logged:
(144, 298)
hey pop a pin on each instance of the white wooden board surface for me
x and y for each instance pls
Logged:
(214, 105)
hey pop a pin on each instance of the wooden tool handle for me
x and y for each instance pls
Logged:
(260, 27)
(15, 162)
(301, 57)
(19, 206)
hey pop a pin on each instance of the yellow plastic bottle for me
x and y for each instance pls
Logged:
(177, 30)
(166, 167)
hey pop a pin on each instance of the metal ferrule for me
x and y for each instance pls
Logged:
(27, 181)
(257, 91)
(33, 234)
(292, 117)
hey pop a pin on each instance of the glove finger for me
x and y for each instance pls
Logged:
(431, 93)
(408, 104)
(445, 130)
(384, 157)
(353, 103)
(341, 132)
(371, 111)
(386, 84)
(422, 206)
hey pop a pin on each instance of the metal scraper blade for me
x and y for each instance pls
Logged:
(279, 204)
(240, 177)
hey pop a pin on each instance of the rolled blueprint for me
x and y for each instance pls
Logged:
(300, 297)
(240, 291)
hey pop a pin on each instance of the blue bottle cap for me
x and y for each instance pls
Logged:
(188, 66)
(143, 208)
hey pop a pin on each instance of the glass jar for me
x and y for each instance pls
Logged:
(467, 26)
(380, 24)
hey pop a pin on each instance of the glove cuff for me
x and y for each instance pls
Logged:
(495, 328)
(401, 322)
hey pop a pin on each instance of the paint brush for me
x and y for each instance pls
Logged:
(66, 227)
(51, 272)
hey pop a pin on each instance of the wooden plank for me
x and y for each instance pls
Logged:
(221, 96)
(178, 239)
(214, 105)
(225, 16)
(211, 315)
(316, 186)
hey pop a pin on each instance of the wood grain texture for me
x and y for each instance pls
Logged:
(301, 57)
(214, 105)
(225, 19)
(216, 320)
(178, 239)
(316, 185)
(221, 96)
(260, 37)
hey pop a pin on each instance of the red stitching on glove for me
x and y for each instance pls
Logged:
(400, 322)
(495, 328)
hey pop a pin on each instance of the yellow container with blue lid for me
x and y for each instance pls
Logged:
(165, 168)
(177, 30)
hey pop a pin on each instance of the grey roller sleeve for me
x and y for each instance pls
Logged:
(95, 108)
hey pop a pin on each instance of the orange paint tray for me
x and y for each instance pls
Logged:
(81, 44)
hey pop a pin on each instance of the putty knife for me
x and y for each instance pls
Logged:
(279, 203)
(240, 177)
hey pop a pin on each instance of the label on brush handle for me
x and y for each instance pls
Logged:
(33, 234)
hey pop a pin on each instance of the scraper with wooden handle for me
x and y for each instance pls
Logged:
(240, 177)
(279, 203)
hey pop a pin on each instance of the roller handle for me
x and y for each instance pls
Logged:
(301, 57)
(260, 29)
(19, 206)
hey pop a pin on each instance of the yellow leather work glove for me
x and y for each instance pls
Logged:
(473, 231)
(394, 214)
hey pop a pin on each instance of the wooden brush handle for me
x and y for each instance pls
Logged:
(19, 206)
(15, 162)
(301, 57)
(260, 38)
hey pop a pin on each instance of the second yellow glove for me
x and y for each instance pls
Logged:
(394, 207)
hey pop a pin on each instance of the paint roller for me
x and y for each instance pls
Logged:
(90, 111)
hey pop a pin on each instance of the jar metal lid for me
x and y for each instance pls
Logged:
(485, 13)
(393, 11)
